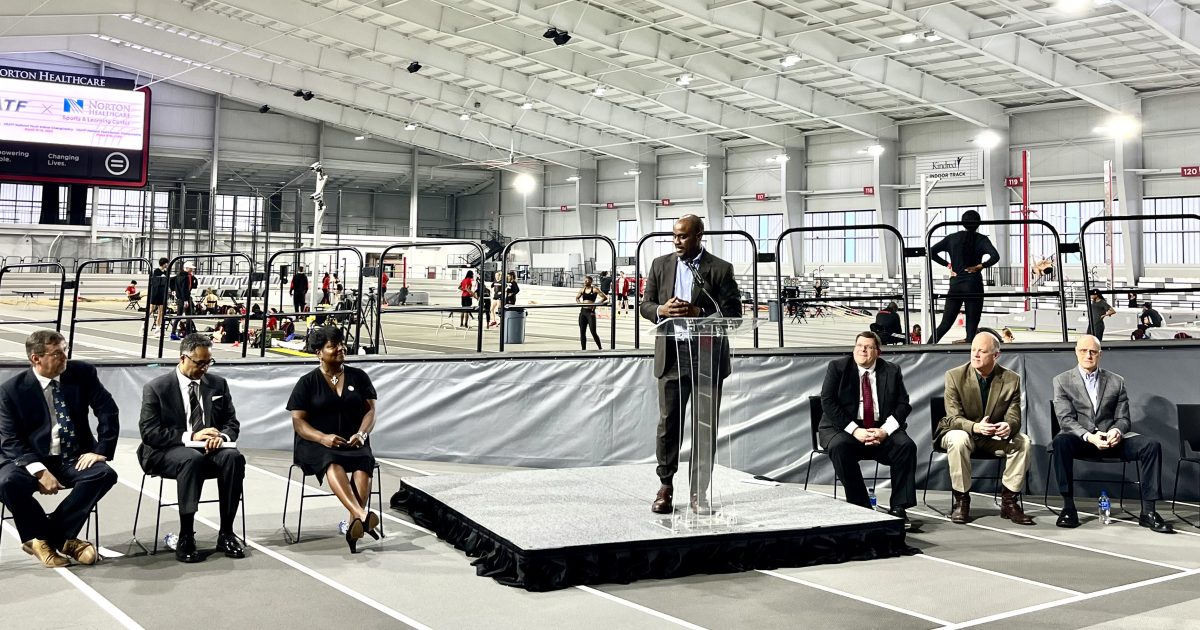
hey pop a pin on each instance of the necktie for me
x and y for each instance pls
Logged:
(66, 428)
(868, 402)
(196, 416)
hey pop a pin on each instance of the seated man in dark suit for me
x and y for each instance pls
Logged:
(864, 414)
(1093, 415)
(887, 325)
(189, 404)
(46, 444)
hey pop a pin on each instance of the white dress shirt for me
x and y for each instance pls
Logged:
(891, 424)
(55, 442)
(684, 278)
(184, 385)
(1091, 382)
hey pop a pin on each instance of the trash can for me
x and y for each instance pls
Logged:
(773, 310)
(514, 325)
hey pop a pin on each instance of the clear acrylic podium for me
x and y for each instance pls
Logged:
(702, 349)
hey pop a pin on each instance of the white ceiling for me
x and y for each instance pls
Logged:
(973, 60)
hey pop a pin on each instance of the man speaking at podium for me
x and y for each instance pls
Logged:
(689, 283)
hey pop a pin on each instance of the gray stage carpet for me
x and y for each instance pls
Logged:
(543, 529)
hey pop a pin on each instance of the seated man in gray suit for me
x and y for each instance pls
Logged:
(1093, 413)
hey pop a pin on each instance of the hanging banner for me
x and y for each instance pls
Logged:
(966, 166)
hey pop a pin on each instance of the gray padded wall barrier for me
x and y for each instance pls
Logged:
(581, 410)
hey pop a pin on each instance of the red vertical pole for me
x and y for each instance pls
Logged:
(1025, 216)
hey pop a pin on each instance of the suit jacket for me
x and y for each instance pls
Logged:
(964, 407)
(1074, 409)
(163, 419)
(842, 388)
(25, 419)
(660, 288)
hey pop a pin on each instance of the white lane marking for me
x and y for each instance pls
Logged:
(105, 552)
(859, 598)
(640, 608)
(312, 573)
(1038, 538)
(409, 468)
(328, 494)
(1127, 521)
(119, 615)
(926, 556)
(1070, 600)
(1058, 542)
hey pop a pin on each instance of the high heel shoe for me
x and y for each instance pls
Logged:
(353, 534)
(371, 525)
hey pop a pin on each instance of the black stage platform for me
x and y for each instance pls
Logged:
(549, 529)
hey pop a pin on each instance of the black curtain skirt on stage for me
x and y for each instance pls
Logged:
(624, 562)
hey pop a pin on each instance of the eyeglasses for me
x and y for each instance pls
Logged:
(57, 354)
(203, 364)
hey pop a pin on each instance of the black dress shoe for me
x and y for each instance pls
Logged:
(1155, 523)
(185, 549)
(229, 545)
(662, 501)
(1068, 518)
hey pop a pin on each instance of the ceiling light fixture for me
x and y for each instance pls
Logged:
(362, 137)
(562, 38)
(573, 178)
(790, 60)
(700, 166)
(298, 93)
(908, 38)
(633, 171)
(527, 105)
(930, 36)
(1119, 127)
(550, 33)
(874, 150)
(410, 127)
(779, 159)
(524, 183)
(987, 139)
(684, 79)
(308, 96)
(599, 91)
(464, 116)
(414, 67)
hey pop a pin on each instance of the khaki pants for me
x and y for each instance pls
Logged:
(959, 445)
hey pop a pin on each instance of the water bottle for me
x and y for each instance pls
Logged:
(871, 497)
(343, 526)
(1105, 508)
(171, 540)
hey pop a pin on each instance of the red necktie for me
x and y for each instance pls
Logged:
(868, 402)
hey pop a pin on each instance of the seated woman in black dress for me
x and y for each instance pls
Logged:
(333, 412)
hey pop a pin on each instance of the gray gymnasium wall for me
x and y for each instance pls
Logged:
(577, 410)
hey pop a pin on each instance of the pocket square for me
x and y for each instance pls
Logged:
(218, 397)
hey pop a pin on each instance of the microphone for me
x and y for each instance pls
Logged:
(695, 269)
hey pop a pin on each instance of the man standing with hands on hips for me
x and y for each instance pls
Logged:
(688, 283)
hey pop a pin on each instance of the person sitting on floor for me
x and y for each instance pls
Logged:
(887, 325)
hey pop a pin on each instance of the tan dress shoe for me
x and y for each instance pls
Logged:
(42, 550)
(81, 551)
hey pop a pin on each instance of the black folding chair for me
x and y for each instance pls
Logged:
(937, 411)
(376, 491)
(1055, 428)
(1189, 447)
(815, 413)
(137, 512)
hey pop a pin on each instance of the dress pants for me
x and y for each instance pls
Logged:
(959, 445)
(972, 306)
(674, 394)
(1139, 448)
(189, 467)
(898, 451)
(18, 487)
